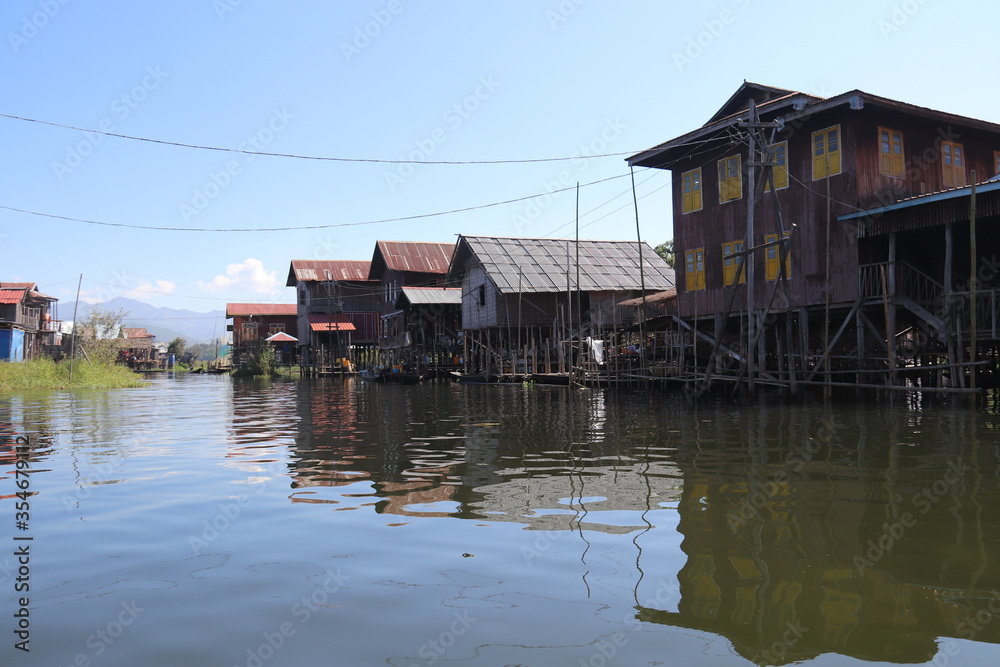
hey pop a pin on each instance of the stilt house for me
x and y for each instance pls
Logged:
(26, 323)
(840, 224)
(254, 323)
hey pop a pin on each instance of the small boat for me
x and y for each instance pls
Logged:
(372, 375)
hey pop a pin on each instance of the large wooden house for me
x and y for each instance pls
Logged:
(338, 308)
(26, 323)
(838, 206)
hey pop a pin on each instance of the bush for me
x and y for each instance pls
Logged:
(48, 374)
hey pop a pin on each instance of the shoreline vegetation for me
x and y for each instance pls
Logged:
(48, 374)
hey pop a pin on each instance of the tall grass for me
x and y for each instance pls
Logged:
(48, 374)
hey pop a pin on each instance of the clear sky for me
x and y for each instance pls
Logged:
(443, 80)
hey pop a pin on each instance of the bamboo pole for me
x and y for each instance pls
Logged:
(972, 279)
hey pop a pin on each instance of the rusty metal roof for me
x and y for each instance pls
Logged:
(542, 265)
(305, 270)
(415, 256)
(420, 296)
(233, 309)
(665, 296)
(139, 332)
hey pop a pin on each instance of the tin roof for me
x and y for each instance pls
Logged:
(319, 322)
(281, 337)
(542, 265)
(306, 270)
(138, 332)
(11, 295)
(419, 296)
(233, 309)
(659, 298)
(413, 256)
(31, 288)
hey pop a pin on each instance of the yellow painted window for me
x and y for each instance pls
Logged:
(730, 180)
(780, 169)
(826, 152)
(730, 262)
(694, 274)
(771, 255)
(691, 191)
(953, 164)
(890, 152)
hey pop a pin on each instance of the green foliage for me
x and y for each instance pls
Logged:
(262, 359)
(177, 346)
(100, 337)
(666, 251)
(48, 374)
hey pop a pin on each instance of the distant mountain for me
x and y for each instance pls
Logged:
(164, 323)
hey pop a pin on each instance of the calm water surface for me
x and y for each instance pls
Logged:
(209, 521)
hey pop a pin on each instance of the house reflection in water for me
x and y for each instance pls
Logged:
(836, 550)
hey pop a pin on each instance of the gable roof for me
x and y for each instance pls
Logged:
(31, 289)
(306, 270)
(8, 296)
(416, 256)
(233, 309)
(136, 332)
(785, 109)
(521, 265)
(748, 91)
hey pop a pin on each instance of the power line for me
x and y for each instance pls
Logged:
(305, 227)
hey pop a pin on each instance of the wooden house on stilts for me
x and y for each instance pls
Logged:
(835, 241)
(541, 307)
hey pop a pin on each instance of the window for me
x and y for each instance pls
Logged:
(953, 164)
(996, 162)
(248, 332)
(890, 152)
(275, 328)
(482, 295)
(826, 152)
(731, 263)
(694, 275)
(730, 182)
(691, 191)
(771, 256)
(780, 170)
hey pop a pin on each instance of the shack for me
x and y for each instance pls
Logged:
(255, 323)
(535, 307)
(26, 322)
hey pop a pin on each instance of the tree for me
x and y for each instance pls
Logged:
(666, 251)
(176, 346)
(100, 335)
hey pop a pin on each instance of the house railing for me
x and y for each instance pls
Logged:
(878, 279)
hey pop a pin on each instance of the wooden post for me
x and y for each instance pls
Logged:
(972, 283)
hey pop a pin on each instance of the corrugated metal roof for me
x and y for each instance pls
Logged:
(651, 300)
(136, 333)
(281, 337)
(320, 322)
(432, 295)
(21, 286)
(233, 309)
(414, 256)
(11, 295)
(304, 270)
(541, 265)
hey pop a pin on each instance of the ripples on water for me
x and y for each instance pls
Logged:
(327, 522)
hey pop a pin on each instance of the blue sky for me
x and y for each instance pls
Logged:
(397, 79)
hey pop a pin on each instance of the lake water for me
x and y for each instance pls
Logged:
(203, 520)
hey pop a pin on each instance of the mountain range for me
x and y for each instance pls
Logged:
(164, 323)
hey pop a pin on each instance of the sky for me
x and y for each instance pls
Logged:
(496, 89)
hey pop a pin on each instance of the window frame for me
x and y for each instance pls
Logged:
(780, 171)
(996, 163)
(727, 180)
(772, 266)
(730, 263)
(694, 277)
(890, 164)
(957, 151)
(697, 191)
(825, 134)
